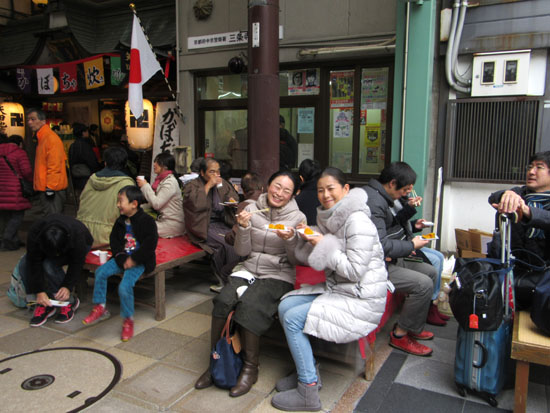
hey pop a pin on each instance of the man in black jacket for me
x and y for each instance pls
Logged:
(54, 241)
(532, 203)
(416, 279)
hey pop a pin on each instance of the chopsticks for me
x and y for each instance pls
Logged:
(259, 210)
(414, 195)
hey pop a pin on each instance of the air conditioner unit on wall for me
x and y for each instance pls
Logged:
(519, 72)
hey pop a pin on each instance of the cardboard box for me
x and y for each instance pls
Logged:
(472, 243)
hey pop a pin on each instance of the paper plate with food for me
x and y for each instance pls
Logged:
(277, 227)
(230, 202)
(430, 236)
(308, 231)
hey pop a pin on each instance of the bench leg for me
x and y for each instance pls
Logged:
(522, 382)
(369, 363)
(160, 296)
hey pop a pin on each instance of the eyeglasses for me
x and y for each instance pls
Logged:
(538, 167)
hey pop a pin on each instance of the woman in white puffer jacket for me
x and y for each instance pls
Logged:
(349, 304)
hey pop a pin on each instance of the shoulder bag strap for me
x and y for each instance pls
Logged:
(11, 167)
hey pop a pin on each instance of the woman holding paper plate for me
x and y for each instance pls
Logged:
(350, 304)
(258, 283)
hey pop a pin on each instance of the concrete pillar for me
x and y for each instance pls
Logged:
(263, 87)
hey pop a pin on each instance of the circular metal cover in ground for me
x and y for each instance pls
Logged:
(65, 379)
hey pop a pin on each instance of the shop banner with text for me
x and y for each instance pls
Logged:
(24, 80)
(117, 75)
(94, 73)
(67, 78)
(167, 135)
(45, 81)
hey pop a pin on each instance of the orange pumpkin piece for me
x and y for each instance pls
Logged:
(308, 231)
(279, 226)
(271, 226)
(431, 235)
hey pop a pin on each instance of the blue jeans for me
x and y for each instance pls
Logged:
(125, 288)
(437, 259)
(292, 314)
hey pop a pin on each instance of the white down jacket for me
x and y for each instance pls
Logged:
(353, 298)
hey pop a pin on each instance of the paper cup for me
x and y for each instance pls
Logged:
(103, 255)
(220, 185)
(140, 177)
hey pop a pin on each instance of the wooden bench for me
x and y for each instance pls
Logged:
(170, 252)
(529, 345)
(307, 275)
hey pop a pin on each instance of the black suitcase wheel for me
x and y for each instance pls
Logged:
(461, 390)
(492, 401)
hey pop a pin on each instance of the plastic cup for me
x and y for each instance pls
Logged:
(140, 177)
(220, 185)
(103, 255)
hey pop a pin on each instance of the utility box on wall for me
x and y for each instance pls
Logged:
(520, 72)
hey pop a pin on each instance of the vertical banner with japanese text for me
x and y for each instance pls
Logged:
(24, 79)
(45, 81)
(67, 78)
(94, 73)
(117, 75)
(167, 124)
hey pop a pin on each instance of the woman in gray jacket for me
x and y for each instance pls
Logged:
(258, 283)
(349, 304)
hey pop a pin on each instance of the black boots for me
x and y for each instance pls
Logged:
(250, 344)
(205, 380)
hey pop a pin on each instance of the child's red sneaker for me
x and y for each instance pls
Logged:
(99, 312)
(127, 329)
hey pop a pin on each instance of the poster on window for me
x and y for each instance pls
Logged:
(342, 123)
(167, 124)
(374, 88)
(341, 89)
(306, 117)
(372, 142)
(303, 82)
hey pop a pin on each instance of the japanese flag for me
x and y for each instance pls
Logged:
(143, 65)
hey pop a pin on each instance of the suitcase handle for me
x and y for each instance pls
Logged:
(483, 361)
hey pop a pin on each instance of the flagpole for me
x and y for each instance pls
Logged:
(178, 109)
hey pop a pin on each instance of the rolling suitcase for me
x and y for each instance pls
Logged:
(482, 358)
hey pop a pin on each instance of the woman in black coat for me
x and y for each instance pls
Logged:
(307, 200)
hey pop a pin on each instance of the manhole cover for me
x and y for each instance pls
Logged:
(65, 379)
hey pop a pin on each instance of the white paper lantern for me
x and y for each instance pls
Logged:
(140, 134)
(12, 119)
(107, 120)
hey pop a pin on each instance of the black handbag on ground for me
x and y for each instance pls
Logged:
(476, 293)
(225, 360)
(540, 310)
(27, 188)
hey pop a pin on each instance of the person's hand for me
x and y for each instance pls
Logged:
(63, 294)
(129, 263)
(286, 235)
(415, 201)
(140, 182)
(525, 209)
(419, 242)
(43, 299)
(212, 182)
(509, 202)
(419, 224)
(314, 239)
(243, 218)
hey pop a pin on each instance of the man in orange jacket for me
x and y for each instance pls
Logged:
(50, 174)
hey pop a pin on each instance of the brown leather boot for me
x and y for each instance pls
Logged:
(205, 380)
(250, 344)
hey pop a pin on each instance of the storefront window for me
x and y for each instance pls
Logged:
(372, 128)
(226, 136)
(222, 87)
(296, 144)
(299, 82)
(341, 119)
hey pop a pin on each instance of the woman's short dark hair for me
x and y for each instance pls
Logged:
(167, 160)
(225, 169)
(400, 171)
(285, 172)
(54, 240)
(335, 173)
(251, 182)
(79, 129)
(309, 170)
(115, 158)
(196, 164)
(17, 139)
(203, 166)
(133, 193)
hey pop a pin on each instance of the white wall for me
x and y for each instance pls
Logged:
(465, 206)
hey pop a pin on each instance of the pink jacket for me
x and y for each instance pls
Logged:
(11, 197)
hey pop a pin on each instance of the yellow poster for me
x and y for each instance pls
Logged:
(94, 74)
(372, 135)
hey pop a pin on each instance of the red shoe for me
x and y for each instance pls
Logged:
(409, 345)
(424, 335)
(99, 312)
(433, 317)
(127, 329)
(441, 315)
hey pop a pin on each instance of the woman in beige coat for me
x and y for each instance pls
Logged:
(164, 196)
